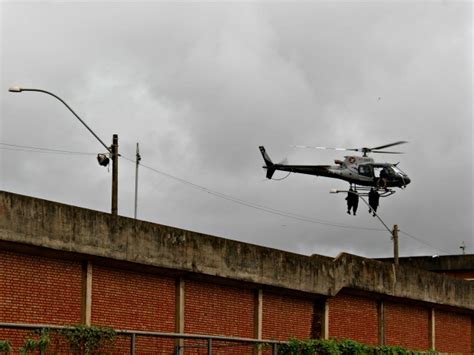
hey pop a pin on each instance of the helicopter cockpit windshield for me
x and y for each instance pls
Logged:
(398, 171)
(387, 172)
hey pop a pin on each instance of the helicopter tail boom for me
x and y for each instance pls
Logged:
(268, 163)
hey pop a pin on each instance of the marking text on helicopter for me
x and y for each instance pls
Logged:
(356, 170)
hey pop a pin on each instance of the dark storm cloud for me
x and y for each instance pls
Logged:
(201, 85)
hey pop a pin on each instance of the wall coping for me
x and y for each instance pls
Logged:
(438, 263)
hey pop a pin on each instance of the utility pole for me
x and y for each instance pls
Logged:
(393, 232)
(395, 244)
(113, 149)
(137, 163)
(115, 155)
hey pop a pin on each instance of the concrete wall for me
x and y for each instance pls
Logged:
(61, 227)
(457, 266)
(438, 263)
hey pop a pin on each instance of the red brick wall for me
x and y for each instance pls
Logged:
(125, 299)
(36, 289)
(219, 310)
(353, 317)
(407, 325)
(453, 332)
(199, 347)
(286, 317)
(130, 300)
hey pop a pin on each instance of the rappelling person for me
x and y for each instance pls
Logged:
(352, 201)
(373, 201)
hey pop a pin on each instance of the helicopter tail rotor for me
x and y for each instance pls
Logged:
(268, 163)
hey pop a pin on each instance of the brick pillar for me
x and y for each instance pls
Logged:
(86, 307)
(180, 311)
(325, 322)
(432, 325)
(381, 322)
(258, 314)
(258, 318)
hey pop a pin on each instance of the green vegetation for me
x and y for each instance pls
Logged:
(343, 347)
(88, 340)
(5, 347)
(39, 341)
(78, 339)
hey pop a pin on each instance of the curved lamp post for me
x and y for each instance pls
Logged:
(113, 149)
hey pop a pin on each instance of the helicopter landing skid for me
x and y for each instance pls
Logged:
(364, 190)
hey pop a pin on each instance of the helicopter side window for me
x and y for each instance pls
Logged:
(387, 172)
(365, 170)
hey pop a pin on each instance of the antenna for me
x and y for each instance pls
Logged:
(137, 163)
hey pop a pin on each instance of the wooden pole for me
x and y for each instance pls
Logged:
(395, 244)
(115, 156)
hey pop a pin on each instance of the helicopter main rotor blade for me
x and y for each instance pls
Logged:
(325, 148)
(363, 150)
(386, 152)
(388, 145)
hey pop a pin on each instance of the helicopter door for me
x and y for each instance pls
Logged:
(366, 170)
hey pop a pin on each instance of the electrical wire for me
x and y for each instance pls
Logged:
(277, 211)
(422, 241)
(32, 149)
(255, 205)
(25, 148)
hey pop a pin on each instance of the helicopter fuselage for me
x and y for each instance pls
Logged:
(354, 169)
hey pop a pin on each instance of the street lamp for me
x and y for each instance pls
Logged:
(393, 233)
(113, 149)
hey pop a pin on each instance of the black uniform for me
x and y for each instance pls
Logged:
(352, 201)
(373, 200)
(355, 196)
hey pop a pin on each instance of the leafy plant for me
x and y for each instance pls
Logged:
(88, 339)
(5, 347)
(342, 347)
(81, 339)
(40, 342)
(309, 347)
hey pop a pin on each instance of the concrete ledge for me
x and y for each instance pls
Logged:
(438, 263)
(66, 228)
(405, 282)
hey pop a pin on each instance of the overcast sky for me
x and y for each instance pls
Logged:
(201, 85)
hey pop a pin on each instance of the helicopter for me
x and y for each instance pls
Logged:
(361, 171)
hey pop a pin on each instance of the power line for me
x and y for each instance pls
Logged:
(25, 148)
(422, 241)
(254, 205)
(287, 214)
(273, 210)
